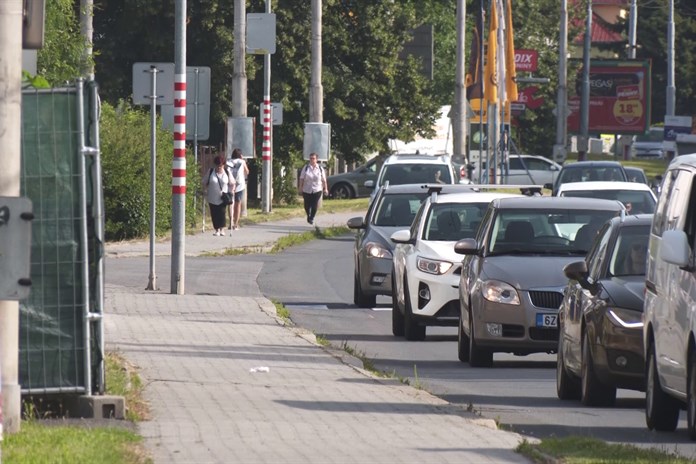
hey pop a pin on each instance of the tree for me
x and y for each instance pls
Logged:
(59, 59)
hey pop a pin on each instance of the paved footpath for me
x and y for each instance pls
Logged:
(228, 382)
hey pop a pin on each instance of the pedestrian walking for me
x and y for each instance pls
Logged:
(219, 185)
(240, 171)
(312, 184)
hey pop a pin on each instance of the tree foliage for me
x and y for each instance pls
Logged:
(59, 59)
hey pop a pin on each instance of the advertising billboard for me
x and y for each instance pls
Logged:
(619, 98)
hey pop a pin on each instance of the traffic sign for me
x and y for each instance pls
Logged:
(142, 83)
(261, 33)
(15, 247)
(197, 104)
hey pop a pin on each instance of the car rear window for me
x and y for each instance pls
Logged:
(595, 173)
(397, 174)
(639, 201)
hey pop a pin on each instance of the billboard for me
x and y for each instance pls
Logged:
(619, 98)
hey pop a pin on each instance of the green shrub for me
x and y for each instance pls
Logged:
(125, 146)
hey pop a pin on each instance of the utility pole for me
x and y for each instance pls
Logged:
(585, 97)
(11, 14)
(632, 29)
(559, 149)
(459, 107)
(178, 278)
(267, 146)
(316, 91)
(87, 32)
(671, 91)
(239, 77)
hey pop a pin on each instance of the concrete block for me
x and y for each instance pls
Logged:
(102, 407)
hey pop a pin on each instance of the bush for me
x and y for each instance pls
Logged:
(125, 146)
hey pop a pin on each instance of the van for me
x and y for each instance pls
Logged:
(669, 330)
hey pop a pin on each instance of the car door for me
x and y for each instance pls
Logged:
(471, 266)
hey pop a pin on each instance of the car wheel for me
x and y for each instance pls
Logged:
(691, 398)
(397, 316)
(341, 191)
(462, 343)
(593, 391)
(567, 385)
(359, 298)
(661, 410)
(412, 329)
(478, 357)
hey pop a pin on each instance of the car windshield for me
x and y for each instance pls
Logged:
(397, 174)
(595, 173)
(545, 231)
(636, 201)
(453, 221)
(398, 210)
(652, 136)
(630, 250)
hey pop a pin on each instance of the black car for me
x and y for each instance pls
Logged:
(582, 171)
(600, 343)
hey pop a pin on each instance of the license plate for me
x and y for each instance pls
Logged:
(546, 320)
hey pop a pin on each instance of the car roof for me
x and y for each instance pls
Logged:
(419, 188)
(417, 158)
(633, 220)
(602, 185)
(689, 159)
(473, 197)
(586, 164)
(525, 202)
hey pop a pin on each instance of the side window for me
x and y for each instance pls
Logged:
(679, 201)
(598, 254)
(515, 163)
(660, 217)
(417, 220)
(485, 224)
(690, 221)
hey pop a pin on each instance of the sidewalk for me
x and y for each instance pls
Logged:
(227, 382)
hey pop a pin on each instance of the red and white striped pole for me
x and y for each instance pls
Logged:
(266, 152)
(179, 158)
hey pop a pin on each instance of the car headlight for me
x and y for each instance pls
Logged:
(625, 318)
(432, 266)
(500, 292)
(375, 250)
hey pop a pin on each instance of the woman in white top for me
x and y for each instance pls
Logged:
(216, 182)
(239, 172)
(312, 184)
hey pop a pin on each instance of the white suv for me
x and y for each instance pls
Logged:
(426, 270)
(669, 332)
(415, 169)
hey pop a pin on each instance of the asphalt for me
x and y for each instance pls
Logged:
(227, 381)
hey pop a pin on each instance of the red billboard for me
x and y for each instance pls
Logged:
(619, 98)
(526, 60)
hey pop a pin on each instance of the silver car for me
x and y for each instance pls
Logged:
(512, 280)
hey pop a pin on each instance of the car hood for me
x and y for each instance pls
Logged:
(439, 250)
(382, 234)
(626, 292)
(528, 272)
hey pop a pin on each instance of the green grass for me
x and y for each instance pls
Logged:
(585, 450)
(297, 239)
(43, 444)
(282, 312)
(122, 380)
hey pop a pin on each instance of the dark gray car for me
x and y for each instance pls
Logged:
(352, 184)
(512, 280)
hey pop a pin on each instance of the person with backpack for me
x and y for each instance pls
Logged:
(240, 171)
(218, 184)
(312, 184)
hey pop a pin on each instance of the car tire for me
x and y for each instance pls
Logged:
(691, 397)
(342, 191)
(593, 392)
(397, 315)
(567, 385)
(661, 410)
(359, 298)
(478, 357)
(413, 331)
(462, 343)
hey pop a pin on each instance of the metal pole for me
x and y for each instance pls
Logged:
(239, 77)
(559, 149)
(86, 29)
(10, 156)
(266, 149)
(152, 279)
(316, 92)
(196, 73)
(178, 280)
(632, 27)
(585, 98)
(481, 175)
(459, 113)
(671, 91)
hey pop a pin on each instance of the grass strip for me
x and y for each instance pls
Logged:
(297, 239)
(586, 450)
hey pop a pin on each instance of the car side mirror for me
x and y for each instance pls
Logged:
(466, 246)
(369, 184)
(356, 223)
(577, 270)
(402, 236)
(674, 249)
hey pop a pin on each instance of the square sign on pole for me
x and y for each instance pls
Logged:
(276, 114)
(15, 247)
(142, 83)
(197, 104)
(317, 139)
(261, 33)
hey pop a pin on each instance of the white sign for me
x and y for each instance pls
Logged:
(197, 104)
(276, 114)
(261, 33)
(15, 247)
(317, 139)
(142, 83)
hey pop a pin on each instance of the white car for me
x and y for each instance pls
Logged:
(637, 197)
(425, 275)
(529, 170)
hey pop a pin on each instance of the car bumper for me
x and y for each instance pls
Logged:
(513, 328)
(618, 357)
(375, 275)
(435, 298)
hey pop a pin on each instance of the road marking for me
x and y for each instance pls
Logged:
(381, 308)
